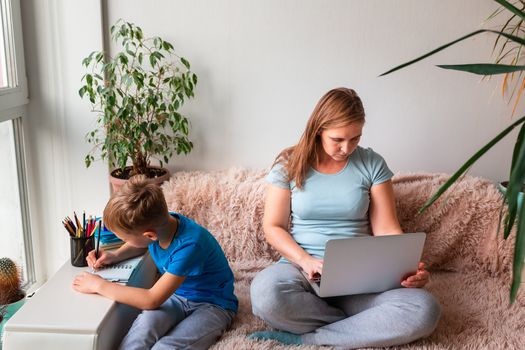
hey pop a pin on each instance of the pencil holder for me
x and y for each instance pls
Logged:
(80, 247)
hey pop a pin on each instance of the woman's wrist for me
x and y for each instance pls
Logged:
(302, 259)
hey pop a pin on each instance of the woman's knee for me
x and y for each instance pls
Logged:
(269, 294)
(432, 313)
(263, 294)
(428, 312)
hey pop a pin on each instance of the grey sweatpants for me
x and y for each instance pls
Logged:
(282, 296)
(178, 324)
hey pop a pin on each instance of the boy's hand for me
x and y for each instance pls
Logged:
(87, 283)
(104, 258)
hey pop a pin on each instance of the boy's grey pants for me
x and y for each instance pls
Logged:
(178, 324)
(282, 296)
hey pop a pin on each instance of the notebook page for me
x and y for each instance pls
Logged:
(119, 272)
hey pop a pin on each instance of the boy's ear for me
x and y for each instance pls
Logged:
(151, 234)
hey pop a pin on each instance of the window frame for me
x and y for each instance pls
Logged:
(13, 101)
(15, 95)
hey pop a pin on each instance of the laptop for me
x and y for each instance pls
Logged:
(369, 264)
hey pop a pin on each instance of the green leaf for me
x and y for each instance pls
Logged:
(185, 62)
(517, 145)
(167, 46)
(519, 255)
(484, 68)
(152, 60)
(127, 80)
(441, 48)
(469, 163)
(511, 8)
(82, 91)
(516, 181)
(138, 33)
(86, 61)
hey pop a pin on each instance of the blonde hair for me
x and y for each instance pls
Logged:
(338, 107)
(138, 205)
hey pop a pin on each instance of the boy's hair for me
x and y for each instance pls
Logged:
(138, 205)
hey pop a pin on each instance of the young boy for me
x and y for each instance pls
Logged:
(192, 303)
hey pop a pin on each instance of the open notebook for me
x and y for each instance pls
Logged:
(120, 272)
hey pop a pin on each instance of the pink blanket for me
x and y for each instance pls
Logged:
(469, 260)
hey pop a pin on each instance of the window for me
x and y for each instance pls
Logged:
(15, 236)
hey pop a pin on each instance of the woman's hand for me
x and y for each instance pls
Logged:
(87, 283)
(104, 258)
(312, 266)
(418, 280)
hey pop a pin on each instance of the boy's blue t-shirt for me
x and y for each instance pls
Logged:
(196, 254)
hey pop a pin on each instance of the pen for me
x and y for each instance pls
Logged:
(98, 240)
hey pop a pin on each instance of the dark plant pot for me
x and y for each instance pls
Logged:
(10, 310)
(117, 183)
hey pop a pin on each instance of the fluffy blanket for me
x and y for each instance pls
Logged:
(469, 260)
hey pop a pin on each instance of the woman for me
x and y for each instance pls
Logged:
(330, 188)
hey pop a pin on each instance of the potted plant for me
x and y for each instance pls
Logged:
(516, 212)
(137, 95)
(12, 296)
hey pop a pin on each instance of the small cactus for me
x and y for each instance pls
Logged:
(10, 282)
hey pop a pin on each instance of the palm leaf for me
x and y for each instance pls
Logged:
(519, 255)
(504, 85)
(516, 180)
(499, 36)
(516, 27)
(469, 163)
(515, 152)
(511, 8)
(441, 48)
(494, 14)
(483, 68)
(520, 91)
(504, 55)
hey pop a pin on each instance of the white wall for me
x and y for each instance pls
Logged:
(262, 66)
(57, 35)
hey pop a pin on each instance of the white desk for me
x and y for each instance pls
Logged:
(57, 317)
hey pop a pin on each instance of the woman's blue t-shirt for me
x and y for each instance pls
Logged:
(196, 254)
(331, 206)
